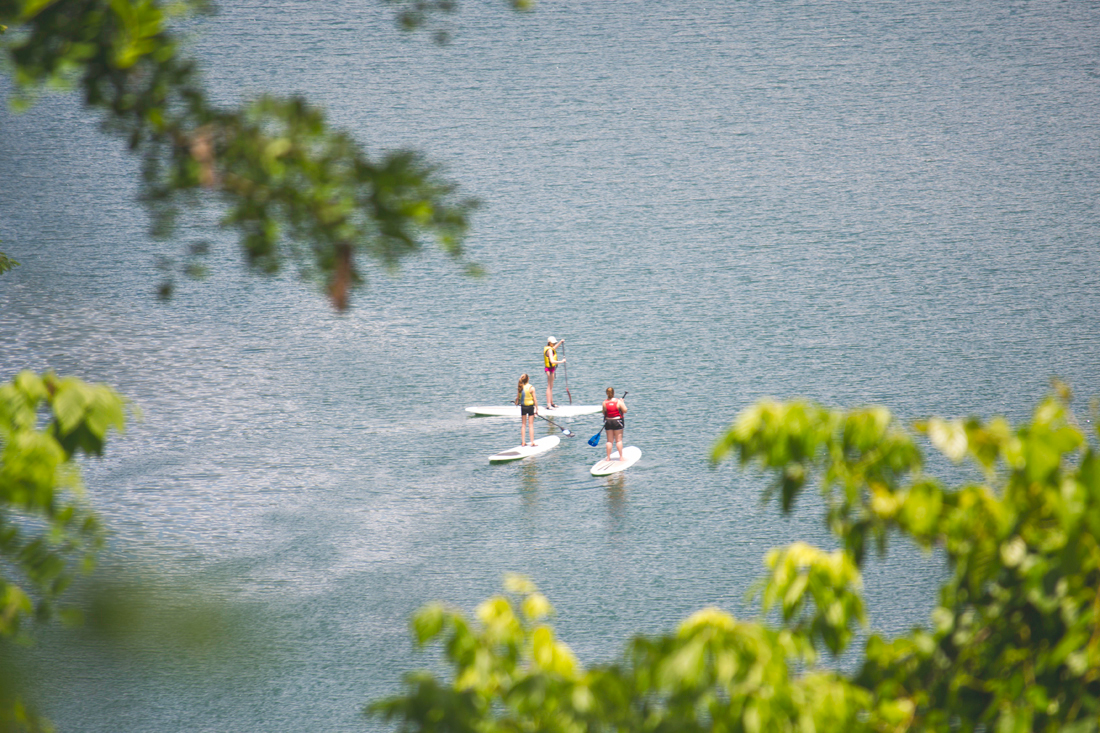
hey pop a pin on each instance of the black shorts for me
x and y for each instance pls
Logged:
(613, 423)
(526, 409)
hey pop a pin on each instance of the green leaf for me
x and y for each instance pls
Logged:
(428, 623)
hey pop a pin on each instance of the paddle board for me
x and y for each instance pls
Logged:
(514, 454)
(513, 410)
(606, 467)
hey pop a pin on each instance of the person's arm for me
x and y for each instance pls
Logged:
(556, 347)
(622, 406)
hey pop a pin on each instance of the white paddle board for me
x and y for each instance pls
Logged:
(608, 467)
(513, 410)
(520, 451)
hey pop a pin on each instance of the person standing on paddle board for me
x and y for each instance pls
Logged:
(614, 420)
(528, 403)
(550, 363)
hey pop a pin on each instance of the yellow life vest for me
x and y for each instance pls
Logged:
(528, 394)
(549, 356)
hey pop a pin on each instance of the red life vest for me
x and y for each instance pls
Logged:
(611, 409)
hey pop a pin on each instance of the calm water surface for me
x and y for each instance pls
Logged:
(712, 202)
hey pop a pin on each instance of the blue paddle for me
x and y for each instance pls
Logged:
(595, 439)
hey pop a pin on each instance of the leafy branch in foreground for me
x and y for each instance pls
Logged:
(6, 263)
(414, 15)
(295, 189)
(47, 535)
(1012, 645)
(49, 542)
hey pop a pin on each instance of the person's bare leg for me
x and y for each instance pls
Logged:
(550, 389)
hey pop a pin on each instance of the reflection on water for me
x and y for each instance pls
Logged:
(529, 484)
(616, 500)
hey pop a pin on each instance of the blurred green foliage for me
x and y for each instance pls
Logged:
(294, 189)
(416, 15)
(47, 534)
(1012, 645)
(49, 540)
(6, 263)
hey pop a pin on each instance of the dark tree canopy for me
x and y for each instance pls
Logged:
(295, 189)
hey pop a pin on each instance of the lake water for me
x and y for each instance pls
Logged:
(874, 202)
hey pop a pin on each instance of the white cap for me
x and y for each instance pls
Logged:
(550, 339)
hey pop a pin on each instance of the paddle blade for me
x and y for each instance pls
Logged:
(595, 439)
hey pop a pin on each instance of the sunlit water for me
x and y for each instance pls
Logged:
(712, 202)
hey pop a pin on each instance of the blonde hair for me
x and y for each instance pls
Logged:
(519, 388)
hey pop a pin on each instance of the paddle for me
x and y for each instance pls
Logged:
(565, 373)
(595, 439)
(564, 431)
